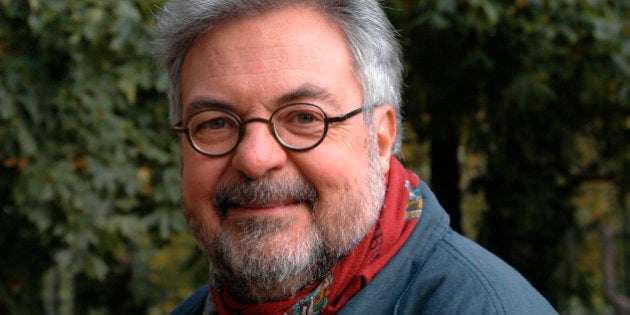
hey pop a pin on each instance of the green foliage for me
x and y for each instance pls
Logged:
(88, 163)
(523, 83)
(89, 185)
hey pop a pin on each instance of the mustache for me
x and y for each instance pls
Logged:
(262, 192)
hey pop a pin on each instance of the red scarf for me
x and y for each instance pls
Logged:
(399, 216)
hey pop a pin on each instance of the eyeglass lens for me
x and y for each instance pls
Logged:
(295, 126)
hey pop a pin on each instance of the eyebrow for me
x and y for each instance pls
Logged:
(306, 91)
(203, 104)
(309, 91)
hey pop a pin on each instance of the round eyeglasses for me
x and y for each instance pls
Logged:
(297, 127)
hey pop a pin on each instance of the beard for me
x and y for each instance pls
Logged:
(259, 260)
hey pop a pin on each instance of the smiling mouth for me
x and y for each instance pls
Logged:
(266, 209)
(265, 205)
(265, 196)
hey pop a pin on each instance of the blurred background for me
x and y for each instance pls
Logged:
(517, 114)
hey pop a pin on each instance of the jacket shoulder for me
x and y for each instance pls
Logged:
(194, 304)
(462, 277)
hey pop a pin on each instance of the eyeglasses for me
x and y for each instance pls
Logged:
(297, 127)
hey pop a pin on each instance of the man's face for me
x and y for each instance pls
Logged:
(271, 218)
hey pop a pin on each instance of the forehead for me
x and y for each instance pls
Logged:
(264, 58)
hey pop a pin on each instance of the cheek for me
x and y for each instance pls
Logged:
(197, 187)
(199, 179)
(334, 172)
(193, 178)
(200, 172)
(342, 158)
(345, 143)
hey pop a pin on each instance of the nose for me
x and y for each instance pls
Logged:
(258, 152)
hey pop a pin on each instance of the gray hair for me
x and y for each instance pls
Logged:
(371, 38)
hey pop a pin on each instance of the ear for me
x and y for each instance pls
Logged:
(385, 126)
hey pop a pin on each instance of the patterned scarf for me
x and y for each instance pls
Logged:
(399, 216)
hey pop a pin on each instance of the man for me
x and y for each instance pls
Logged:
(288, 114)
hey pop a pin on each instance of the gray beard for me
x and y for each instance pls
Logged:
(257, 262)
(253, 272)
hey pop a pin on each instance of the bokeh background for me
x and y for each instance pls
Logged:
(517, 114)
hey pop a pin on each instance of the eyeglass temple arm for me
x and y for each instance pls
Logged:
(346, 116)
(178, 128)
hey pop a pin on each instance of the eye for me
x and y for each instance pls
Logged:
(213, 122)
(304, 117)
(299, 116)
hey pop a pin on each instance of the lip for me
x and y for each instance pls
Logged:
(271, 209)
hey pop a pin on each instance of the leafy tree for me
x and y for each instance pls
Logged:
(88, 166)
(89, 185)
(522, 82)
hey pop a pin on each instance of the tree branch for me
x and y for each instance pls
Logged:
(619, 301)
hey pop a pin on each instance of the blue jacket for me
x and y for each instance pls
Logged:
(437, 271)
